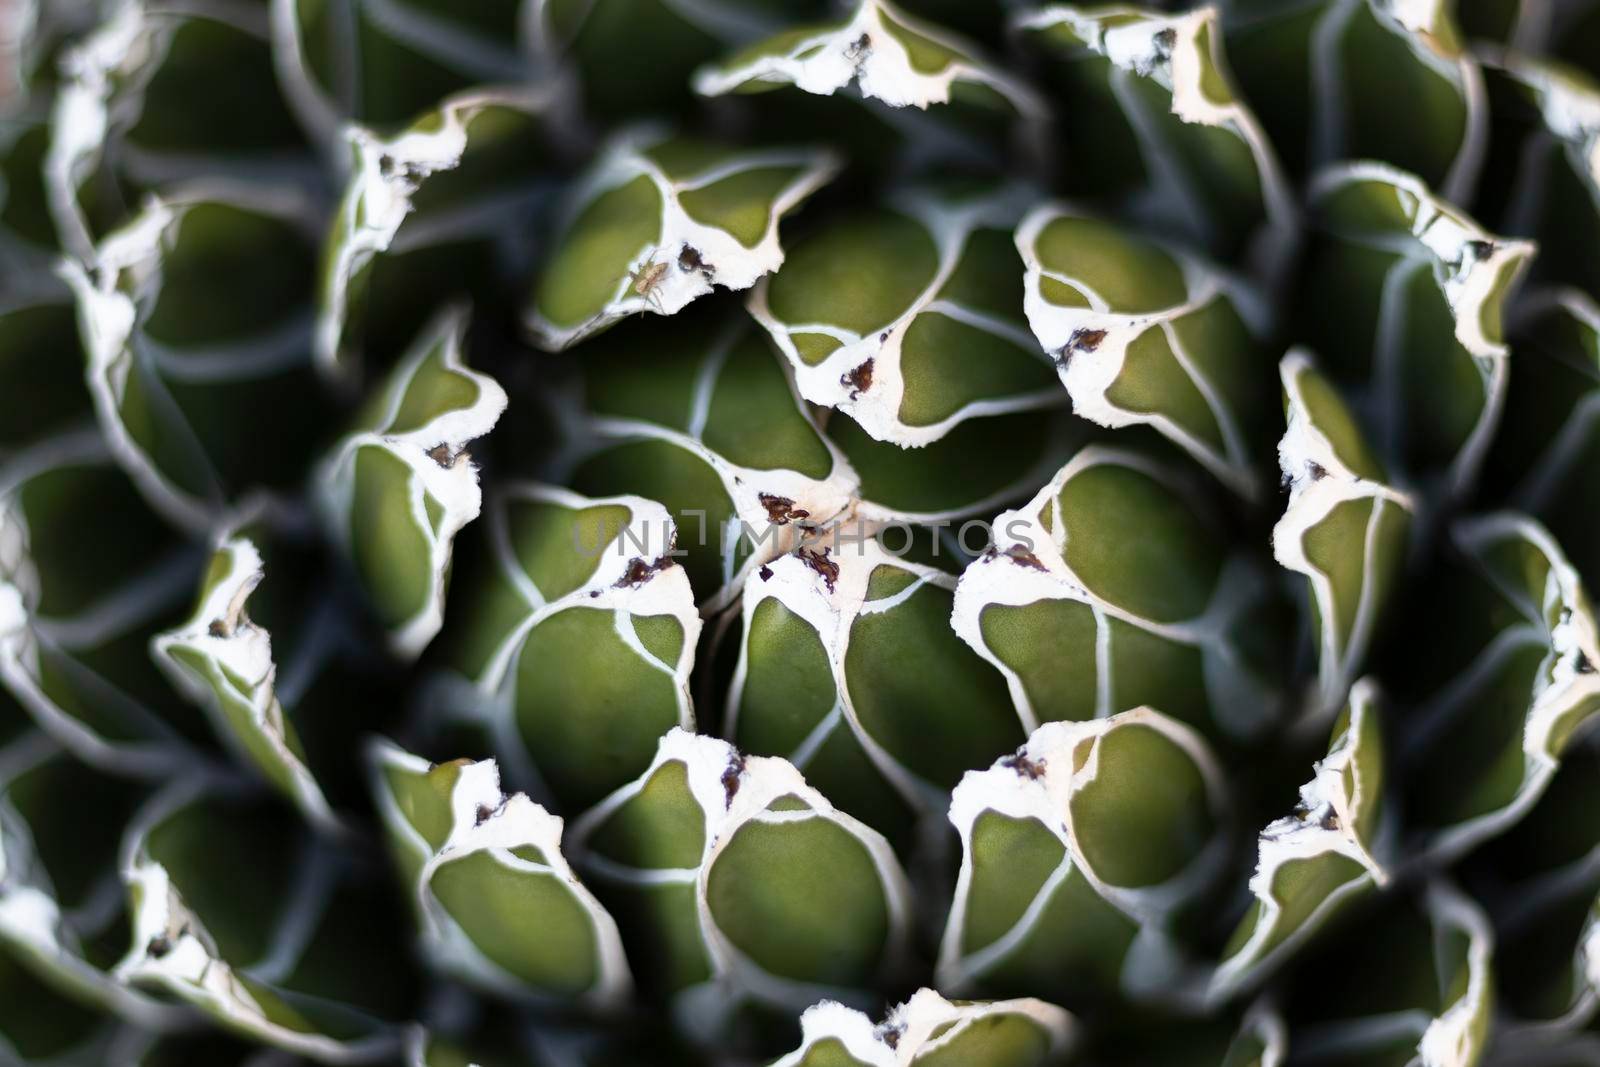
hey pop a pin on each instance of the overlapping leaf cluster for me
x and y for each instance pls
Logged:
(800, 532)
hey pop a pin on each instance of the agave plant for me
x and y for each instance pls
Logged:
(805, 533)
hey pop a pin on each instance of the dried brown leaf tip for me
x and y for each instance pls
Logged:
(1027, 768)
(690, 259)
(781, 509)
(1081, 340)
(1023, 558)
(817, 560)
(639, 571)
(731, 776)
(859, 380)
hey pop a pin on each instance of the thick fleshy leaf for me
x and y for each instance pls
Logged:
(659, 222)
(909, 318)
(1111, 589)
(382, 63)
(579, 641)
(930, 1031)
(1363, 79)
(195, 318)
(736, 883)
(1256, 1037)
(638, 55)
(1075, 852)
(1313, 861)
(87, 576)
(223, 661)
(1405, 297)
(399, 488)
(1161, 83)
(1540, 883)
(1545, 460)
(1412, 984)
(60, 826)
(1345, 528)
(1542, 172)
(1145, 335)
(41, 369)
(453, 196)
(849, 670)
(241, 914)
(499, 905)
(124, 115)
(885, 53)
(1507, 682)
(698, 414)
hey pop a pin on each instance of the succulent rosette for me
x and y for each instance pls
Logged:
(800, 533)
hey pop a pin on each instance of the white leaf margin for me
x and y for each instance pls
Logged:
(241, 648)
(378, 199)
(1028, 565)
(723, 260)
(1089, 374)
(32, 921)
(832, 58)
(908, 1032)
(191, 971)
(23, 631)
(950, 222)
(1303, 451)
(117, 287)
(513, 821)
(649, 536)
(1327, 828)
(831, 609)
(705, 1009)
(454, 486)
(1133, 47)
(1045, 795)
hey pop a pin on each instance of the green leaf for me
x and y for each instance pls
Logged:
(659, 222)
(1369, 80)
(1314, 861)
(910, 319)
(88, 575)
(891, 56)
(194, 319)
(1521, 685)
(1345, 528)
(1162, 82)
(580, 640)
(463, 174)
(499, 905)
(754, 888)
(1117, 822)
(848, 663)
(1145, 335)
(223, 661)
(237, 912)
(698, 414)
(930, 1031)
(1406, 297)
(1111, 589)
(60, 830)
(398, 489)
